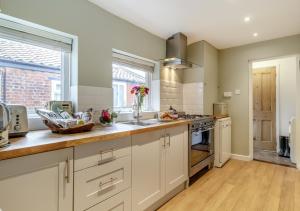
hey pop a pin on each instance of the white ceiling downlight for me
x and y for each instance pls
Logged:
(255, 34)
(247, 19)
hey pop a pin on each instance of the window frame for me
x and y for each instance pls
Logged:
(149, 78)
(69, 76)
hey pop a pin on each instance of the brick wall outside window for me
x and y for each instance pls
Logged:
(27, 87)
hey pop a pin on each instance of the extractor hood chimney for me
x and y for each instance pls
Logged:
(177, 52)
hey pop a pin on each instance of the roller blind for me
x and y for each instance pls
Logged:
(34, 36)
(133, 62)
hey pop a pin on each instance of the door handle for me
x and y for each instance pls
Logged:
(68, 176)
(169, 142)
(164, 137)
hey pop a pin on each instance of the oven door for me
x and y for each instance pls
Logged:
(201, 145)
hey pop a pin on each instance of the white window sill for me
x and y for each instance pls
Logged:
(36, 123)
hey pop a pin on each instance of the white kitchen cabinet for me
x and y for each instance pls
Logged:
(148, 169)
(176, 155)
(159, 164)
(37, 182)
(119, 202)
(98, 183)
(102, 170)
(222, 141)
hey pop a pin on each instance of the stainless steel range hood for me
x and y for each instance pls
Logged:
(177, 52)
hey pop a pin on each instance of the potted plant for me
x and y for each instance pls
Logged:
(107, 117)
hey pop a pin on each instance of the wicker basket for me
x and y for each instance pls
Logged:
(77, 129)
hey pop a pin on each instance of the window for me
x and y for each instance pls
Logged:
(34, 66)
(129, 71)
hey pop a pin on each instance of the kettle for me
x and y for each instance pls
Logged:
(4, 124)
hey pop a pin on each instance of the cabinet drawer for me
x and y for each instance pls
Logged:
(119, 202)
(88, 155)
(98, 183)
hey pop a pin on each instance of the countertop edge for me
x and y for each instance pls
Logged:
(30, 150)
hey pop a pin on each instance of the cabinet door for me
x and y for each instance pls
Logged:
(229, 139)
(37, 182)
(176, 154)
(225, 141)
(147, 169)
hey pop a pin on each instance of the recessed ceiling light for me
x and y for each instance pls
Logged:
(255, 34)
(247, 19)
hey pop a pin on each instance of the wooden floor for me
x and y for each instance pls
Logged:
(240, 186)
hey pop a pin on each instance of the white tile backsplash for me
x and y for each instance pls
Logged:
(193, 98)
(183, 97)
(170, 94)
(98, 98)
(94, 97)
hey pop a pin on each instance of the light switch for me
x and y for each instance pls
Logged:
(227, 94)
(237, 92)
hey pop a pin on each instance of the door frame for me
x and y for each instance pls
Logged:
(250, 85)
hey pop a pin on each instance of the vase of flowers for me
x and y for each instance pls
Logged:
(107, 117)
(139, 92)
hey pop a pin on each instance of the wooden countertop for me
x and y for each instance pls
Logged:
(45, 140)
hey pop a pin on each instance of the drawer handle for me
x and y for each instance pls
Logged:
(108, 187)
(106, 160)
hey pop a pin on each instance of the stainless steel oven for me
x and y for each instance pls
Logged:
(201, 139)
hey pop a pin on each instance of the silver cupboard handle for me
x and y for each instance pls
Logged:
(169, 143)
(164, 144)
(68, 176)
(108, 187)
(112, 158)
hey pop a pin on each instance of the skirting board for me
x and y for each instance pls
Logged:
(241, 157)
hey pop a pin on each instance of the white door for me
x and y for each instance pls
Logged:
(37, 182)
(147, 169)
(176, 154)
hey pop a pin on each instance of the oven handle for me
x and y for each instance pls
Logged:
(200, 131)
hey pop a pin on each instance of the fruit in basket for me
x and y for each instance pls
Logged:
(80, 122)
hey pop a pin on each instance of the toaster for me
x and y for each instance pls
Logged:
(19, 121)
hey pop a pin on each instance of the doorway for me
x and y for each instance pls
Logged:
(274, 110)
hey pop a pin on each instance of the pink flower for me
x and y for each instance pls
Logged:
(139, 90)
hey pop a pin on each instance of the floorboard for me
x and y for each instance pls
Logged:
(242, 186)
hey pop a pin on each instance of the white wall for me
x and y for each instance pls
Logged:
(286, 73)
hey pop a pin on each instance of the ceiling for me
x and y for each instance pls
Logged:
(219, 22)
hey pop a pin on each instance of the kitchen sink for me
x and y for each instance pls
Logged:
(143, 122)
